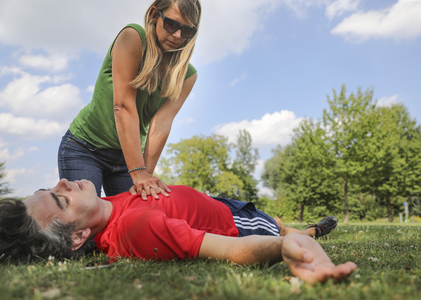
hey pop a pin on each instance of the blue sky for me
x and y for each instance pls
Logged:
(263, 65)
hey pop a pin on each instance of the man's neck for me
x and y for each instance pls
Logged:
(106, 208)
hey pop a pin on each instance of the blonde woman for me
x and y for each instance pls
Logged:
(116, 140)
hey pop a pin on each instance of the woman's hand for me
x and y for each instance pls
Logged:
(146, 184)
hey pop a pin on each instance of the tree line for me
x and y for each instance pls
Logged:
(359, 158)
(4, 189)
(204, 163)
(359, 161)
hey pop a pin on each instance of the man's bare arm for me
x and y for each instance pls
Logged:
(253, 249)
(303, 255)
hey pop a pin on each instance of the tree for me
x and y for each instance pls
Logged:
(394, 150)
(283, 206)
(347, 127)
(4, 190)
(316, 167)
(246, 156)
(202, 163)
(244, 165)
(271, 174)
(296, 172)
(375, 153)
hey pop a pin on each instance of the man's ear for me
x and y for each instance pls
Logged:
(79, 238)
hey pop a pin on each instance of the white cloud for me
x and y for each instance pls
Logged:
(400, 21)
(66, 26)
(70, 26)
(5, 154)
(25, 181)
(238, 79)
(387, 101)
(30, 129)
(3, 143)
(300, 6)
(51, 179)
(186, 121)
(334, 8)
(267, 192)
(228, 26)
(337, 8)
(270, 130)
(260, 166)
(53, 63)
(33, 149)
(24, 96)
(90, 89)
(9, 70)
(13, 173)
(61, 78)
(263, 191)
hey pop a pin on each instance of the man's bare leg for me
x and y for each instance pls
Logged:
(285, 230)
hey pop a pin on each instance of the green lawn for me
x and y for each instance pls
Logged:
(388, 259)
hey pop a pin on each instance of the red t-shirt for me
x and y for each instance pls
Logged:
(163, 229)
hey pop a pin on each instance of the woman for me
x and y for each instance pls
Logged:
(142, 84)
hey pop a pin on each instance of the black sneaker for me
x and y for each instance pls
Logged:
(325, 226)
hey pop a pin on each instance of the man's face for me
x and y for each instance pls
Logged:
(75, 201)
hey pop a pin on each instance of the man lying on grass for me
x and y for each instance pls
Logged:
(69, 220)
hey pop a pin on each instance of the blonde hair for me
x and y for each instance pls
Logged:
(176, 69)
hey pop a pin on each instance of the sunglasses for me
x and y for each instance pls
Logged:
(172, 26)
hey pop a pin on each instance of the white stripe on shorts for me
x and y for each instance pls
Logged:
(255, 223)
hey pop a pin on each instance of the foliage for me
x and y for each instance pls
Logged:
(270, 175)
(245, 155)
(276, 207)
(416, 207)
(388, 259)
(4, 190)
(394, 152)
(297, 173)
(202, 163)
(347, 128)
(369, 156)
(249, 188)
(244, 165)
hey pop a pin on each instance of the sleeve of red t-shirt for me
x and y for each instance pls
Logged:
(152, 235)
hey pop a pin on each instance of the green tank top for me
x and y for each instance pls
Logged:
(95, 123)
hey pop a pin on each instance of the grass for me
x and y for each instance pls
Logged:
(388, 259)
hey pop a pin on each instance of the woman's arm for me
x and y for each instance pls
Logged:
(127, 56)
(160, 126)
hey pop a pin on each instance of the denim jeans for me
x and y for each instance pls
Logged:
(78, 159)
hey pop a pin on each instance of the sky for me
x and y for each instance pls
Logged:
(263, 65)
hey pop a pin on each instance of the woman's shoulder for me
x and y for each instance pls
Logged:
(139, 29)
(190, 71)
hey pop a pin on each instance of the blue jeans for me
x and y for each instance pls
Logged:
(78, 159)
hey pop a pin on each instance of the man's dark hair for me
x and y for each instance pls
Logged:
(23, 240)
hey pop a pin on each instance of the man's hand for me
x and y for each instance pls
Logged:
(307, 260)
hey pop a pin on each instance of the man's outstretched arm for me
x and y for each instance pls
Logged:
(303, 255)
